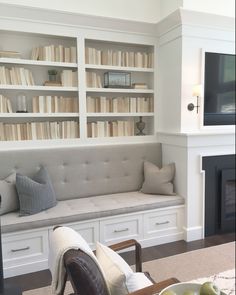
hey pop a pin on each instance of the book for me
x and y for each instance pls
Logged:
(9, 54)
(139, 86)
(52, 83)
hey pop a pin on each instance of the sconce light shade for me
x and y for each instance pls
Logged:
(197, 90)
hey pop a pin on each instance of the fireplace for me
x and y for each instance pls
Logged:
(219, 194)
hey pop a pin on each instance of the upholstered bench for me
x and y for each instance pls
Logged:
(98, 193)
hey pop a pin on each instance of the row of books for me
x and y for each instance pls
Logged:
(93, 80)
(5, 104)
(118, 58)
(55, 104)
(54, 53)
(16, 76)
(104, 104)
(69, 78)
(110, 128)
(39, 130)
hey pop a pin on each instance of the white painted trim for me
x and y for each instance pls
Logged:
(193, 233)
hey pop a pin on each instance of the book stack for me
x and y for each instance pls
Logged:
(16, 76)
(39, 130)
(110, 128)
(93, 80)
(69, 78)
(9, 54)
(55, 104)
(54, 53)
(139, 86)
(119, 58)
(5, 105)
(119, 104)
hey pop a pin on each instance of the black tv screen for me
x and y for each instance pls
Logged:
(219, 89)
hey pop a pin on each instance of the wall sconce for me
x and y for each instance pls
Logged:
(197, 91)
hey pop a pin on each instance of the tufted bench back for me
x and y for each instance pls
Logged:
(87, 170)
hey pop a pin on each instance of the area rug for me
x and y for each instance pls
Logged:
(188, 266)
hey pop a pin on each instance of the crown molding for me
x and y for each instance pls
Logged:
(34, 14)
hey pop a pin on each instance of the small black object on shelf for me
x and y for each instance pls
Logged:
(140, 126)
(117, 80)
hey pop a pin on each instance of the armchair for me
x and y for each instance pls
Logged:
(87, 279)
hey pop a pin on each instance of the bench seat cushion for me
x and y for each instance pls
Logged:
(88, 208)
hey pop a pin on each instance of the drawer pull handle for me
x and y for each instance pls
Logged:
(161, 223)
(21, 249)
(121, 230)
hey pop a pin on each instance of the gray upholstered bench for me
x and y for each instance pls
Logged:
(97, 189)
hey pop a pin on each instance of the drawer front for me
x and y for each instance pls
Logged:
(163, 222)
(120, 229)
(89, 231)
(20, 249)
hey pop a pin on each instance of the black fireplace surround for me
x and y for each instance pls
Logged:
(219, 194)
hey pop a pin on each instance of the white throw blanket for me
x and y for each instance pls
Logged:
(61, 240)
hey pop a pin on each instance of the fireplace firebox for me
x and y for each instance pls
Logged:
(219, 194)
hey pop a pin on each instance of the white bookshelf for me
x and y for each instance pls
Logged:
(119, 90)
(38, 115)
(120, 114)
(38, 88)
(117, 68)
(19, 61)
(24, 41)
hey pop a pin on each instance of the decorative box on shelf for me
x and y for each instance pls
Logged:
(117, 80)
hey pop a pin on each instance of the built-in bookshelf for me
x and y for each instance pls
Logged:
(61, 81)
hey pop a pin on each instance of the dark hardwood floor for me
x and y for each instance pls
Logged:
(43, 278)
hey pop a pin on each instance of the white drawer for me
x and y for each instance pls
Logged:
(163, 222)
(120, 229)
(89, 231)
(24, 248)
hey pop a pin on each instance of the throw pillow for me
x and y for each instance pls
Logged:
(158, 181)
(119, 276)
(36, 194)
(8, 194)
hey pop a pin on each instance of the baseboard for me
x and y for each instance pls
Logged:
(26, 268)
(193, 233)
(162, 240)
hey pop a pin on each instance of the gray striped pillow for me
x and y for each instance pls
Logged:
(36, 194)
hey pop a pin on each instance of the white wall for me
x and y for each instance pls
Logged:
(221, 7)
(169, 6)
(147, 11)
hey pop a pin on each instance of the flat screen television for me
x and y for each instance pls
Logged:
(219, 89)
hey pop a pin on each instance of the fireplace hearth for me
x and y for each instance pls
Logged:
(219, 194)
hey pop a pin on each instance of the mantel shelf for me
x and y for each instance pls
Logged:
(118, 68)
(20, 61)
(120, 90)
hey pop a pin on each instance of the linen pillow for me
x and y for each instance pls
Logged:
(8, 194)
(119, 276)
(36, 194)
(158, 181)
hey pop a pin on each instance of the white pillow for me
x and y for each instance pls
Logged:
(137, 281)
(8, 193)
(119, 276)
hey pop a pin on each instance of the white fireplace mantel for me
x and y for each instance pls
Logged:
(186, 150)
